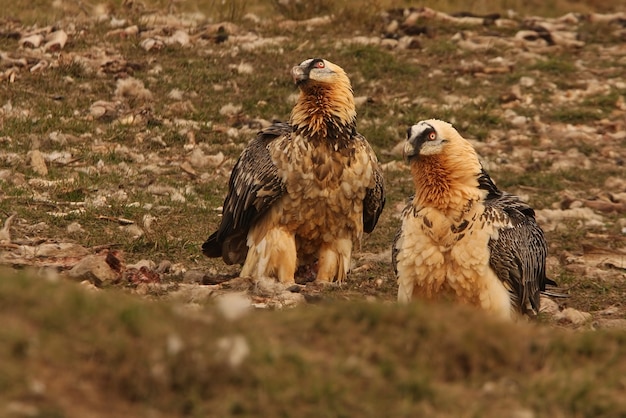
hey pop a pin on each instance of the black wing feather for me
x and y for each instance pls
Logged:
(253, 187)
(374, 202)
(518, 254)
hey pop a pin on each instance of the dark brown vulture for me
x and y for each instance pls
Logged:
(303, 192)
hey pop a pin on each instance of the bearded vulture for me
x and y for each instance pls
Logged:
(303, 192)
(461, 237)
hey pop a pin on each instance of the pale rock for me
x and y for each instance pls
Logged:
(61, 157)
(103, 109)
(174, 344)
(521, 413)
(117, 23)
(32, 41)
(548, 306)
(89, 286)
(132, 88)
(60, 250)
(175, 94)
(151, 44)
(148, 264)
(134, 231)
(74, 228)
(5, 232)
(199, 159)
(233, 349)
(245, 68)
(289, 299)
(389, 43)
(609, 323)
(131, 31)
(55, 41)
(572, 316)
(519, 121)
(177, 196)
(550, 219)
(526, 81)
(95, 269)
(251, 17)
(38, 162)
(193, 293)
(179, 37)
(147, 221)
(233, 306)
(230, 109)
(232, 132)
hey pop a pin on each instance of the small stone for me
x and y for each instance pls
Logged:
(572, 316)
(95, 269)
(74, 228)
(38, 163)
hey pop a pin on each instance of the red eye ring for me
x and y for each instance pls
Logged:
(432, 136)
(320, 64)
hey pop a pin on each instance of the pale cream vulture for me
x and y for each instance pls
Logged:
(461, 238)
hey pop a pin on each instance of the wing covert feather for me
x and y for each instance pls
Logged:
(518, 251)
(375, 198)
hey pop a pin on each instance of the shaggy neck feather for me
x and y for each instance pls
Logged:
(325, 113)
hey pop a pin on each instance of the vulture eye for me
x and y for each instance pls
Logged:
(320, 64)
(432, 136)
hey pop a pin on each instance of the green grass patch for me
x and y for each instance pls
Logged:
(345, 358)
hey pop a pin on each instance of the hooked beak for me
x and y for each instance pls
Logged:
(408, 150)
(299, 75)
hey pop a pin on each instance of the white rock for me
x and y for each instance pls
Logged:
(234, 349)
(233, 305)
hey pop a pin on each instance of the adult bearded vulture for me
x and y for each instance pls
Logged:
(461, 237)
(303, 192)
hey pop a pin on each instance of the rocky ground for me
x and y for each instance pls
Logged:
(119, 129)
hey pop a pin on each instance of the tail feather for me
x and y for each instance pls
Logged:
(552, 289)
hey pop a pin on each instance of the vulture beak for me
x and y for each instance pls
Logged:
(408, 151)
(299, 74)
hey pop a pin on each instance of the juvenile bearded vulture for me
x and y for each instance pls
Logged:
(302, 192)
(460, 236)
